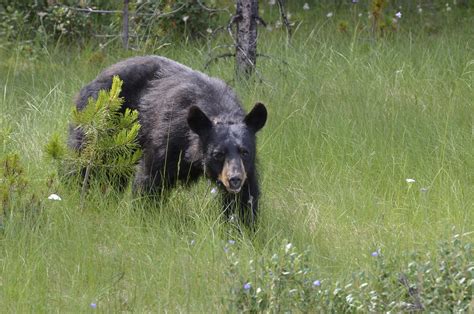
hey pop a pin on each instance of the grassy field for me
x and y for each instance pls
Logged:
(349, 121)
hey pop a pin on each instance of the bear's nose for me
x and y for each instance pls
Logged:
(235, 183)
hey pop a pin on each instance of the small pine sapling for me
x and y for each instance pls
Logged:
(111, 148)
(12, 183)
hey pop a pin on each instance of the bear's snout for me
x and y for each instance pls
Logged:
(233, 175)
(235, 183)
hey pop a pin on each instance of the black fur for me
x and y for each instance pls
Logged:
(191, 124)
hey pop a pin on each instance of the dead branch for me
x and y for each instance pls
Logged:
(215, 58)
(284, 17)
(261, 21)
(234, 19)
(273, 58)
(90, 10)
(168, 13)
(211, 10)
(413, 292)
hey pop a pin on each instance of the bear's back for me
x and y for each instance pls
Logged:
(174, 88)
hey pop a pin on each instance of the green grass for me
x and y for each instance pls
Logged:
(349, 121)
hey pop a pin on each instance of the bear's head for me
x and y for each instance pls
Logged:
(228, 146)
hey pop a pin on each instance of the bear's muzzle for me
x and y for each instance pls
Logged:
(233, 175)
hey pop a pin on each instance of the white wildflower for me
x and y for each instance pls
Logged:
(54, 197)
(306, 6)
(185, 18)
(410, 180)
(330, 14)
(398, 15)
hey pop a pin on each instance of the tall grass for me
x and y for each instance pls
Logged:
(349, 121)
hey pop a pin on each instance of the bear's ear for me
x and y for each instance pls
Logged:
(256, 118)
(198, 121)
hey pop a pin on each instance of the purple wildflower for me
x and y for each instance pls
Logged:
(375, 254)
(316, 283)
(93, 305)
(247, 286)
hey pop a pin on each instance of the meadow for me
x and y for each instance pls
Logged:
(350, 120)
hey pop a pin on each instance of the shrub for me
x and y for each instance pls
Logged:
(443, 282)
(283, 283)
(12, 182)
(23, 20)
(17, 196)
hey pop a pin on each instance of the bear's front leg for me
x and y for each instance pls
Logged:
(148, 179)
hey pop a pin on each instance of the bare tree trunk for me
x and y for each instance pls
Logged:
(125, 25)
(246, 41)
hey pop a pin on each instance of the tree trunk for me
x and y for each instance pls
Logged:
(125, 25)
(246, 41)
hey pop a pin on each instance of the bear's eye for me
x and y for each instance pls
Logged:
(217, 155)
(244, 153)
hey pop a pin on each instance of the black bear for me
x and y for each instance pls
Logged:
(191, 124)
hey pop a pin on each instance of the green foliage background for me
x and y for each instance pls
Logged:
(155, 22)
(50, 21)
